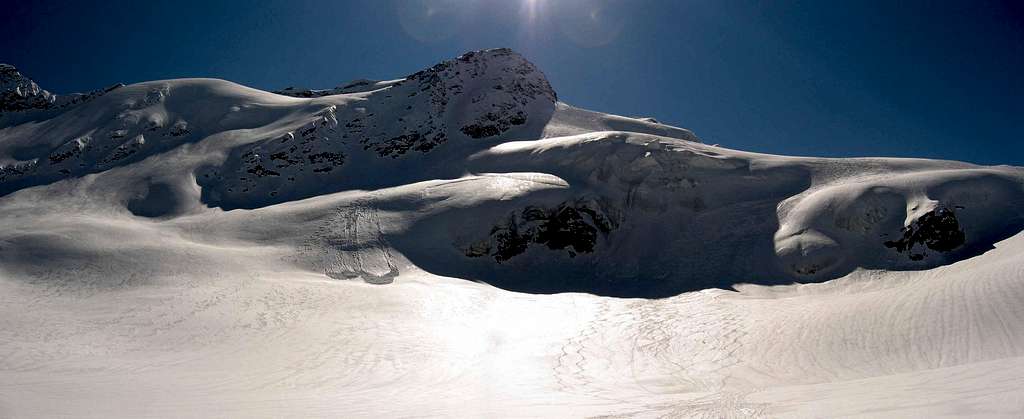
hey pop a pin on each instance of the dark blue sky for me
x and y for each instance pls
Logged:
(851, 78)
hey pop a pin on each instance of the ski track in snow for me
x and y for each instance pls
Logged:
(356, 247)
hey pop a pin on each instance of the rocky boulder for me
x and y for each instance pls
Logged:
(573, 226)
(937, 230)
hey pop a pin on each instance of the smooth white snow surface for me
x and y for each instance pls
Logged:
(458, 243)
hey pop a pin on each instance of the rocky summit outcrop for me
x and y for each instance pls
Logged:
(19, 93)
(485, 93)
(477, 97)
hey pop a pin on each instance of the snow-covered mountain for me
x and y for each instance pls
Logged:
(173, 248)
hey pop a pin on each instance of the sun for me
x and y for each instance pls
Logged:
(531, 10)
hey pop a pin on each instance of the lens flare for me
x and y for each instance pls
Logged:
(430, 21)
(592, 23)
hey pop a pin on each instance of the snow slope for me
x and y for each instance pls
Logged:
(460, 243)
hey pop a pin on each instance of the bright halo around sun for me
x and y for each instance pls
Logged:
(531, 10)
(431, 20)
(587, 23)
(592, 23)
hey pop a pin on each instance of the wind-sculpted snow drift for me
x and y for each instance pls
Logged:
(196, 216)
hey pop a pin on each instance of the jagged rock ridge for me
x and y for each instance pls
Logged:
(19, 93)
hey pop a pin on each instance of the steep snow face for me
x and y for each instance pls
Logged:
(125, 125)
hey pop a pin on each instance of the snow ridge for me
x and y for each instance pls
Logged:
(214, 144)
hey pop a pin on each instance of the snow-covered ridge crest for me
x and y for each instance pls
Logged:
(493, 56)
(354, 86)
(484, 95)
(459, 105)
(629, 206)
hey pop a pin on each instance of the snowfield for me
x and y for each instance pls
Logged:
(460, 243)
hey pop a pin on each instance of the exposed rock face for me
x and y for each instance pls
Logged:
(131, 134)
(20, 93)
(574, 226)
(936, 230)
(478, 95)
(17, 171)
(267, 167)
